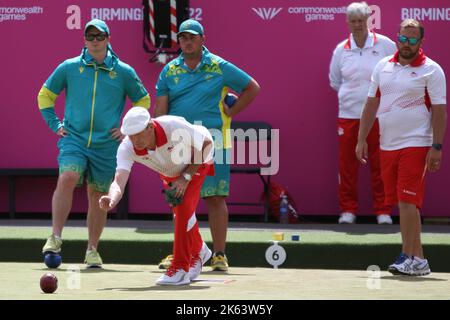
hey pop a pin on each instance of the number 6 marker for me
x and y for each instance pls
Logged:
(275, 255)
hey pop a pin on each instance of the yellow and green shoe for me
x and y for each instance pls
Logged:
(219, 262)
(93, 259)
(53, 244)
(165, 263)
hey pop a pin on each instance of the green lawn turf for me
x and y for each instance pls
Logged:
(250, 236)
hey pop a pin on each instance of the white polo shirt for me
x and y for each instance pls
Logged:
(406, 95)
(351, 68)
(174, 139)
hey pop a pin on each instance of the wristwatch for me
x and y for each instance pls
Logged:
(437, 146)
(187, 176)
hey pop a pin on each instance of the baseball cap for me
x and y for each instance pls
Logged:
(191, 26)
(135, 121)
(99, 24)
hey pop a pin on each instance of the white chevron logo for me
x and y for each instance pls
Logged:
(267, 13)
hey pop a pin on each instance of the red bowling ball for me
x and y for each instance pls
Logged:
(49, 283)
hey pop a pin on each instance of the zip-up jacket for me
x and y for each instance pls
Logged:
(351, 69)
(95, 97)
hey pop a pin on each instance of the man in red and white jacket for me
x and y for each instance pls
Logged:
(408, 91)
(182, 154)
(350, 70)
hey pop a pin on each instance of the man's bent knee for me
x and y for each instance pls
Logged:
(215, 200)
(93, 194)
(94, 197)
(68, 179)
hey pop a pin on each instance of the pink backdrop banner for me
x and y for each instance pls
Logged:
(285, 45)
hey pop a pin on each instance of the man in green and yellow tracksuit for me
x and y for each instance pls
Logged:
(96, 84)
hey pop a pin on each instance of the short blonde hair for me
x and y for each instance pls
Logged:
(413, 23)
(359, 8)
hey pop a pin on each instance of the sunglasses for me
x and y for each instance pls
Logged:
(403, 39)
(98, 36)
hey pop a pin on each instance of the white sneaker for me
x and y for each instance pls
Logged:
(402, 266)
(174, 277)
(197, 263)
(347, 217)
(420, 267)
(384, 219)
